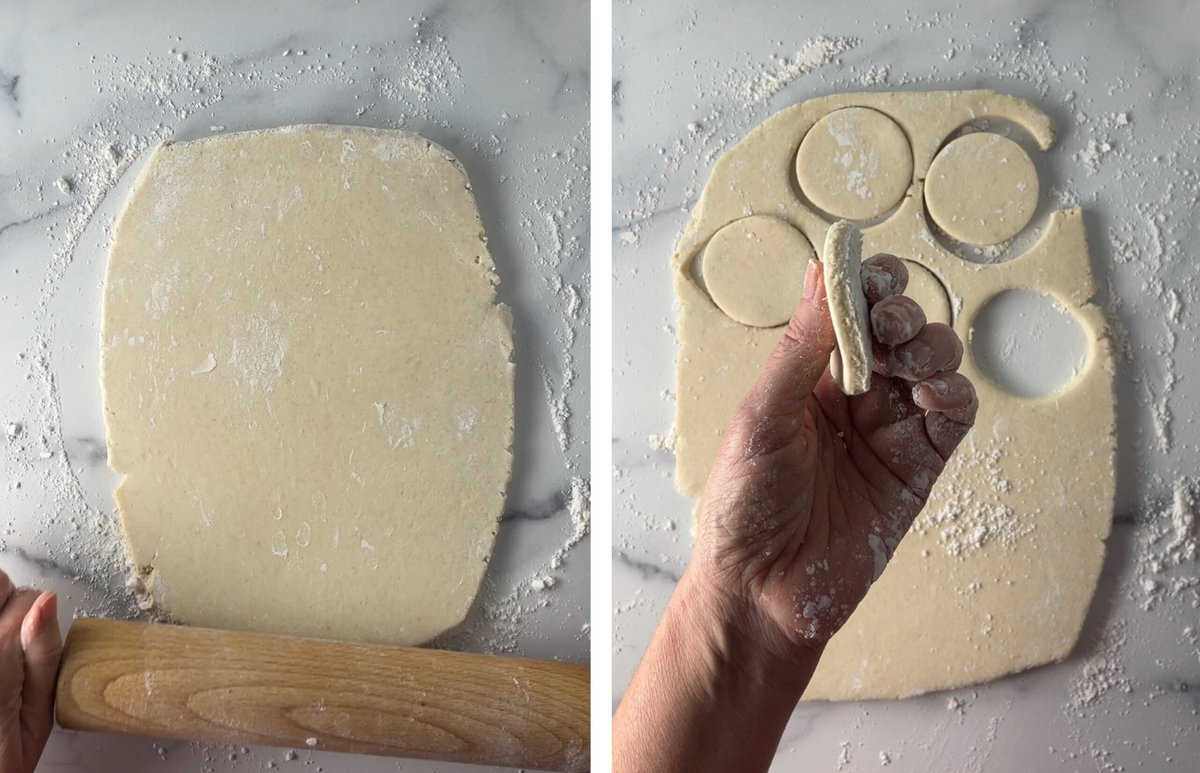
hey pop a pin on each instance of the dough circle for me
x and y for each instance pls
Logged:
(851, 362)
(854, 163)
(754, 270)
(982, 189)
(926, 289)
(308, 384)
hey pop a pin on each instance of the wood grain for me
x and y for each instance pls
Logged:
(198, 683)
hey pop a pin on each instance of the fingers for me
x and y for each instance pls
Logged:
(951, 405)
(949, 393)
(14, 611)
(935, 349)
(11, 668)
(883, 276)
(896, 320)
(800, 357)
(41, 643)
(6, 589)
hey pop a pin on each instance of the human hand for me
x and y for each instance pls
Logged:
(30, 646)
(812, 490)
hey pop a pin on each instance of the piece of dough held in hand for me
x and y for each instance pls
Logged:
(308, 383)
(851, 362)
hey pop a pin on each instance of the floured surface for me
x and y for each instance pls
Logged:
(998, 571)
(308, 383)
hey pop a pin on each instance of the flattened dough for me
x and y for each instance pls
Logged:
(851, 362)
(927, 290)
(998, 572)
(982, 188)
(854, 163)
(307, 383)
(754, 270)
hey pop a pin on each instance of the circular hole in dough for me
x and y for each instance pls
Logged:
(1027, 343)
(754, 269)
(854, 163)
(926, 289)
(981, 188)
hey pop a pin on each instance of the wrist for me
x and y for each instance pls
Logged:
(729, 649)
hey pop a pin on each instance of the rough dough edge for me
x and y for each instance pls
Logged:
(851, 362)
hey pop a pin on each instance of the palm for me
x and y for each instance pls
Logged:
(813, 490)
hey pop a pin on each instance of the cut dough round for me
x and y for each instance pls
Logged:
(926, 289)
(754, 270)
(851, 362)
(854, 163)
(307, 383)
(982, 189)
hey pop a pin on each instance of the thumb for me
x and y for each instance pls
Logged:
(800, 357)
(42, 645)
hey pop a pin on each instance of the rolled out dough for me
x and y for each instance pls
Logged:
(927, 290)
(308, 384)
(998, 571)
(851, 362)
(754, 270)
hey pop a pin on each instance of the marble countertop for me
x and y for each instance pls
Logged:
(504, 86)
(692, 78)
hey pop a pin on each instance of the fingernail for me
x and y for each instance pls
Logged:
(810, 280)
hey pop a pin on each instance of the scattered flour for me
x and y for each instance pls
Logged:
(814, 54)
(1101, 673)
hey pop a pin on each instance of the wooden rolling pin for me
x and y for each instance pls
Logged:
(245, 688)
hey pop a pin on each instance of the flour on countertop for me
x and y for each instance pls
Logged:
(503, 621)
(814, 54)
(159, 97)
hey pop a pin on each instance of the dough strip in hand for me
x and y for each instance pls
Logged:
(851, 361)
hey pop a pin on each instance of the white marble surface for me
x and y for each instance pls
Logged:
(685, 75)
(503, 85)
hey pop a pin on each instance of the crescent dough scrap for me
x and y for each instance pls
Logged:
(851, 361)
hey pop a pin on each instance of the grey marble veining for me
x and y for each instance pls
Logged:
(683, 92)
(502, 85)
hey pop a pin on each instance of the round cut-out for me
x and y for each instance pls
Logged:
(981, 189)
(754, 269)
(854, 163)
(1027, 343)
(926, 289)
